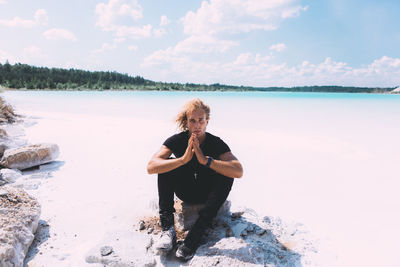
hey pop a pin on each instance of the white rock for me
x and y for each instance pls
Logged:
(106, 250)
(253, 250)
(29, 156)
(272, 248)
(9, 175)
(260, 231)
(19, 217)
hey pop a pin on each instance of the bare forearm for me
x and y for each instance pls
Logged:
(159, 165)
(232, 169)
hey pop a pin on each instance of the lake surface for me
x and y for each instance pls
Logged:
(328, 161)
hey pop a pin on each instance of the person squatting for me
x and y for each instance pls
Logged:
(201, 172)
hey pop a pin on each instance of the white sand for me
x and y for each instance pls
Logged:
(334, 172)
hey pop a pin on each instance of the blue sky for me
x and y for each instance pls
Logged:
(239, 42)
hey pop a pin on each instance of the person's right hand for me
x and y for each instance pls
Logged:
(189, 152)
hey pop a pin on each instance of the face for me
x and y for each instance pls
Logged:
(197, 122)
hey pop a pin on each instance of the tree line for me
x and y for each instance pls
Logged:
(23, 76)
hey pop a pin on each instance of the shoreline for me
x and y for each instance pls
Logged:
(195, 91)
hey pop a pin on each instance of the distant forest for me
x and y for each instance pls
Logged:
(23, 76)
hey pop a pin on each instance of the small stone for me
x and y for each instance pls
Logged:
(250, 228)
(243, 233)
(237, 215)
(150, 230)
(106, 250)
(141, 225)
(216, 262)
(260, 231)
(266, 219)
(229, 232)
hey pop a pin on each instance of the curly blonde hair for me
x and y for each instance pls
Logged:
(189, 107)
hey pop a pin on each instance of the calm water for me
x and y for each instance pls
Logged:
(329, 161)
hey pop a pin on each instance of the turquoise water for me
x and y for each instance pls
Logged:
(329, 113)
(78, 101)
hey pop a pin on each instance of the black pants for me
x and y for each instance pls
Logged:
(206, 187)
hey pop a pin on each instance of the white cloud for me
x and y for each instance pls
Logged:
(192, 45)
(59, 34)
(134, 10)
(217, 18)
(203, 44)
(164, 21)
(159, 32)
(245, 59)
(134, 32)
(117, 16)
(132, 48)
(119, 39)
(257, 70)
(105, 47)
(278, 47)
(110, 13)
(40, 18)
(234, 16)
(293, 11)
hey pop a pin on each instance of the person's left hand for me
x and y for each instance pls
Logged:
(197, 150)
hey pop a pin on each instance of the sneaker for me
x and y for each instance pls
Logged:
(167, 240)
(184, 253)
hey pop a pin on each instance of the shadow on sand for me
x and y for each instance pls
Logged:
(258, 246)
(44, 168)
(41, 235)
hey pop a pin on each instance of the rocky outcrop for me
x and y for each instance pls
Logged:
(239, 238)
(19, 217)
(29, 156)
(7, 114)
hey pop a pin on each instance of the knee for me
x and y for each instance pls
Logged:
(223, 183)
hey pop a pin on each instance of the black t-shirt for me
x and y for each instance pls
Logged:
(212, 145)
